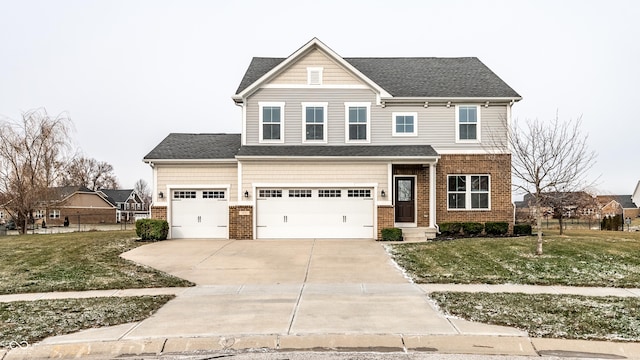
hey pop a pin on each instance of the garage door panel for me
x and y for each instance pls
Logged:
(199, 214)
(338, 216)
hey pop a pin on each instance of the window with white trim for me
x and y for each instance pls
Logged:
(296, 193)
(182, 194)
(366, 193)
(314, 119)
(468, 123)
(271, 121)
(329, 193)
(213, 194)
(314, 75)
(468, 192)
(54, 214)
(268, 193)
(357, 122)
(405, 123)
(1, 214)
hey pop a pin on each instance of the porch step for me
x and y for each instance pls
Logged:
(418, 234)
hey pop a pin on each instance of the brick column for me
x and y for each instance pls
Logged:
(241, 222)
(386, 219)
(159, 212)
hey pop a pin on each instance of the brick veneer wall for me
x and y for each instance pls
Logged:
(386, 217)
(422, 189)
(159, 212)
(86, 217)
(498, 166)
(241, 222)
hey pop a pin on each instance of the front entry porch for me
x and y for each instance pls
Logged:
(414, 200)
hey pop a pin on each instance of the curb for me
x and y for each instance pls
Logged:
(380, 343)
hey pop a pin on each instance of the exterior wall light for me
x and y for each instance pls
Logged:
(161, 195)
(383, 194)
(246, 194)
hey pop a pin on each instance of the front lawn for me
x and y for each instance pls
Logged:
(579, 258)
(551, 316)
(75, 262)
(31, 321)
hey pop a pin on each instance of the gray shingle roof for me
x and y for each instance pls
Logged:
(196, 146)
(413, 77)
(624, 200)
(227, 146)
(117, 196)
(339, 151)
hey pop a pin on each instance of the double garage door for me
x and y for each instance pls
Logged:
(314, 213)
(199, 214)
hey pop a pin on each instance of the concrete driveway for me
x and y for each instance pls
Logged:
(290, 287)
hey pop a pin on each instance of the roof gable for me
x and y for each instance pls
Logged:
(267, 69)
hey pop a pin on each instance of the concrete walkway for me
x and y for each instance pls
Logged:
(296, 295)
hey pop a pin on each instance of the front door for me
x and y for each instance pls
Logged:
(405, 199)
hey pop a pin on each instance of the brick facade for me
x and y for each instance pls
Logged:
(83, 217)
(385, 218)
(241, 222)
(159, 212)
(498, 166)
(422, 189)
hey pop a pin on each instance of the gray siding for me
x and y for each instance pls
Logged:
(436, 124)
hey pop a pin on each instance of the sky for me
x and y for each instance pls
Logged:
(129, 72)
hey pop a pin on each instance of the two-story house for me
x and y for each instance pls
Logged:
(129, 205)
(335, 147)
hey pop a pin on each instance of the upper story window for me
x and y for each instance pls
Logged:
(314, 121)
(271, 121)
(468, 123)
(405, 124)
(357, 122)
(314, 76)
(468, 192)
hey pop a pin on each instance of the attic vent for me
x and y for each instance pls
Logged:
(314, 75)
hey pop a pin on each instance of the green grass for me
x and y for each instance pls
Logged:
(579, 258)
(33, 321)
(75, 262)
(550, 316)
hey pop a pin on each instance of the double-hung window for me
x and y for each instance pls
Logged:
(357, 122)
(468, 123)
(314, 122)
(271, 122)
(405, 124)
(468, 192)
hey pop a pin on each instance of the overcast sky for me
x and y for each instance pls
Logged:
(130, 72)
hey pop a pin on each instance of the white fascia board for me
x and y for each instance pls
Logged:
(398, 159)
(314, 185)
(452, 99)
(472, 152)
(190, 161)
(297, 54)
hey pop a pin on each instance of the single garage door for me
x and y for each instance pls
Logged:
(199, 214)
(315, 213)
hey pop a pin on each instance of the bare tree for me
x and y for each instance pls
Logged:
(142, 189)
(32, 155)
(90, 173)
(547, 158)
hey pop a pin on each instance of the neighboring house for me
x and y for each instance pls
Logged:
(574, 205)
(612, 205)
(129, 205)
(79, 205)
(335, 147)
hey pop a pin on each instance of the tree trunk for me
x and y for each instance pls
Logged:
(561, 224)
(539, 225)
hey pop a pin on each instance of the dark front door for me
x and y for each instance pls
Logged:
(404, 199)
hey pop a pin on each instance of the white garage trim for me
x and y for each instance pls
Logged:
(169, 197)
(316, 186)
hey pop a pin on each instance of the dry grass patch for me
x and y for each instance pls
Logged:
(551, 316)
(75, 262)
(581, 258)
(32, 321)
